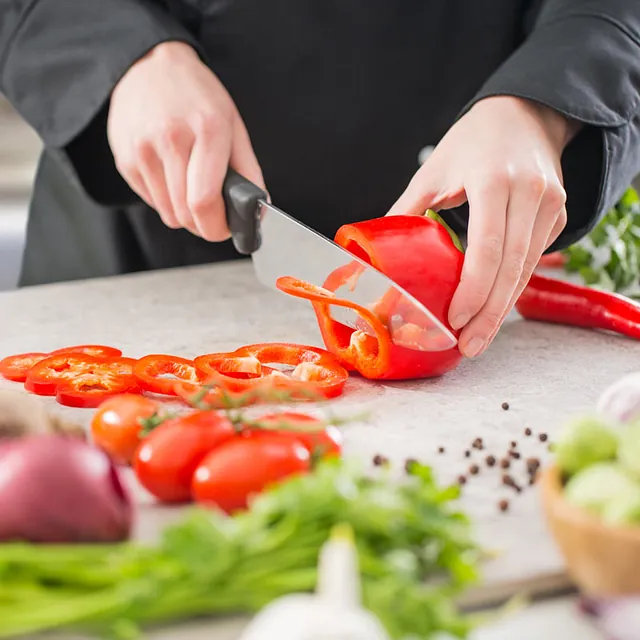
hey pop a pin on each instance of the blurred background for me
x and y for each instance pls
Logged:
(19, 150)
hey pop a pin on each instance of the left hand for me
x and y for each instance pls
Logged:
(503, 156)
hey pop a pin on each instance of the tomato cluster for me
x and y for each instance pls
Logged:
(203, 456)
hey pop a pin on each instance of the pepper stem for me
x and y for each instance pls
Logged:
(454, 236)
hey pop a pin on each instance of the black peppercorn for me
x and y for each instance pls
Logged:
(467, 454)
(491, 461)
(409, 464)
(474, 469)
(505, 463)
(527, 432)
(462, 479)
(543, 437)
(440, 449)
(505, 406)
(380, 460)
(503, 505)
(514, 454)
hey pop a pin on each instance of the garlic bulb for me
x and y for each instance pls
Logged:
(621, 400)
(333, 612)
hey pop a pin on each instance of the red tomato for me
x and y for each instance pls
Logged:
(231, 474)
(116, 426)
(168, 457)
(325, 444)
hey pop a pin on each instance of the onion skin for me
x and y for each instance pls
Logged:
(621, 400)
(617, 618)
(55, 489)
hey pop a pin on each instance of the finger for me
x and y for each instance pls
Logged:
(243, 159)
(524, 204)
(175, 149)
(206, 171)
(152, 173)
(488, 201)
(428, 189)
(136, 182)
(538, 246)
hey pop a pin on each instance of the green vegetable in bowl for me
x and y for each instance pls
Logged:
(595, 487)
(629, 448)
(584, 441)
(623, 510)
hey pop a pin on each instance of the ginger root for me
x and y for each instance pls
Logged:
(23, 415)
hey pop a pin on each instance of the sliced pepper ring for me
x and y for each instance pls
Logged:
(44, 377)
(95, 350)
(316, 373)
(366, 352)
(158, 373)
(16, 368)
(89, 390)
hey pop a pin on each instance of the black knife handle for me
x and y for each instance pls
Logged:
(241, 199)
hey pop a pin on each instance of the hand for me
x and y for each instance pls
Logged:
(174, 130)
(503, 156)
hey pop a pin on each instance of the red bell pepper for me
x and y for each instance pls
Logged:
(95, 350)
(16, 368)
(421, 255)
(44, 377)
(89, 390)
(551, 300)
(316, 372)
(159, 373)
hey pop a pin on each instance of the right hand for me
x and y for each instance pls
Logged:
(174, 130)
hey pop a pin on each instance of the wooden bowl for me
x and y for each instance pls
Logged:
(602, 560)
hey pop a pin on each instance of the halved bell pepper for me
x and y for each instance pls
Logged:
(423, 256)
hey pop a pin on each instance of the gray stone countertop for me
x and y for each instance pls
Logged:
(546, 373)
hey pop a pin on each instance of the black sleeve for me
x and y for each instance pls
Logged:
(582, 58)
(59, 62)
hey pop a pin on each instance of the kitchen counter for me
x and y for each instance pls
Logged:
(546, 374)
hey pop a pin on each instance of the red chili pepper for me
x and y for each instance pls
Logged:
(15, 368)
(551, 300)
(159, 373)
(95, 350)
(316, 372)
(553, 260)
(89, 390)
(421, 255)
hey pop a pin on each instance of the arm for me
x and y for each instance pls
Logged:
(59, 63)
(582, 59)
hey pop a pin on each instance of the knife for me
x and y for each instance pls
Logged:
(280, 245)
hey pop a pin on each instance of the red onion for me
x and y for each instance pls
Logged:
(617, 618)
(56, 489)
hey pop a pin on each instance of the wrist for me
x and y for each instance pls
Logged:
(560, 128)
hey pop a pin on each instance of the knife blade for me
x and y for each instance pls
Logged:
(280, 245)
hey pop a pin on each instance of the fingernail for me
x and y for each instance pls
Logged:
(473, 347)
(460, 320)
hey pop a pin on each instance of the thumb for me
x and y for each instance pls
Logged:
(428, 189)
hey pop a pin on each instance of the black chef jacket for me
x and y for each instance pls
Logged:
(339, 96)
